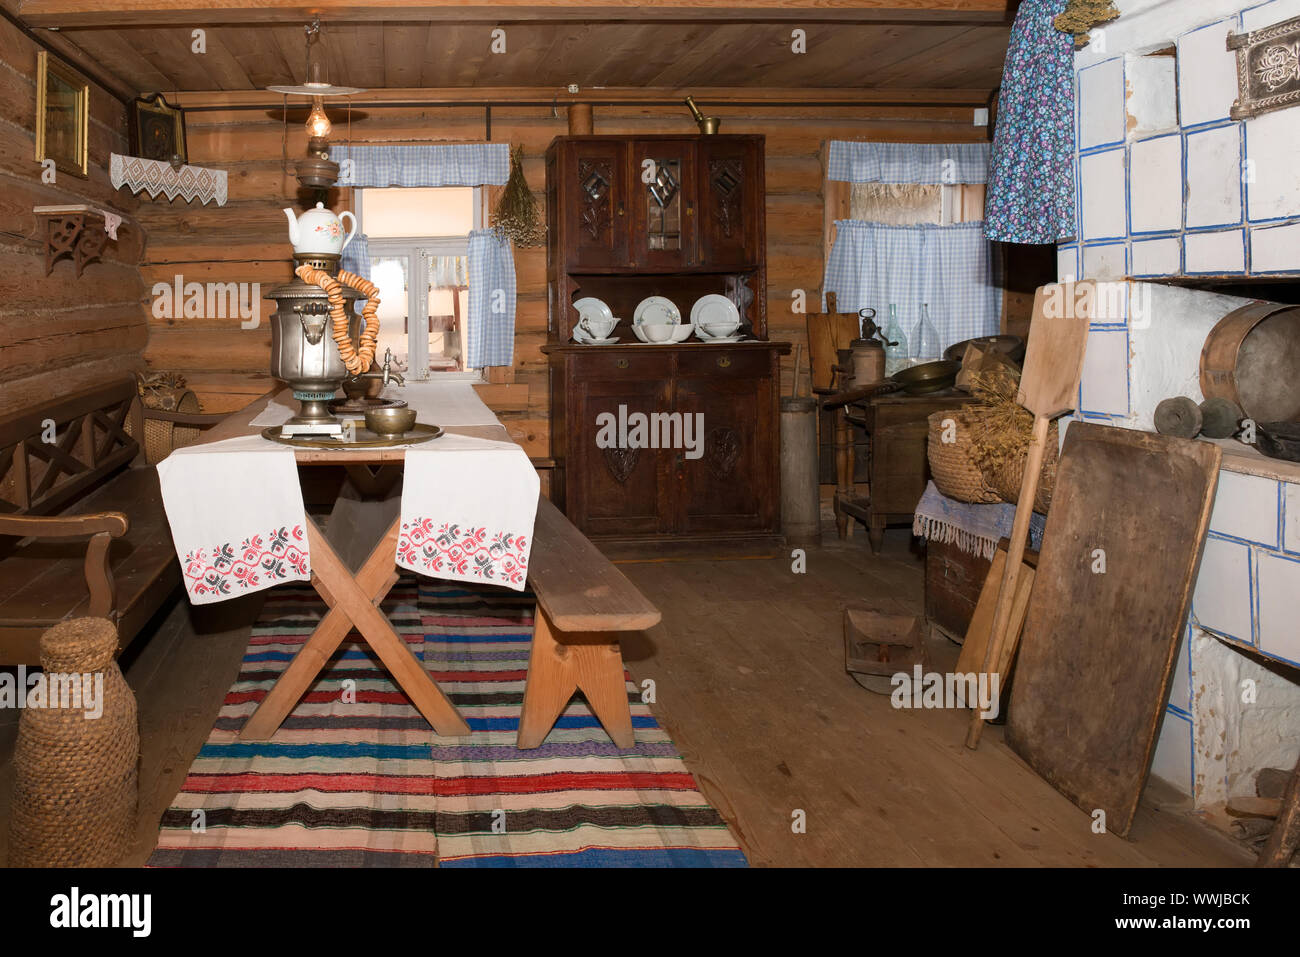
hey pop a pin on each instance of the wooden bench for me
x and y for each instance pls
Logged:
(82, 532)
(583, 604)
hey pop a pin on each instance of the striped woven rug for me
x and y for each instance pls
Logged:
(355, 776)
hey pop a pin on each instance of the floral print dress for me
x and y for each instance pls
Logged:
(1030, 196)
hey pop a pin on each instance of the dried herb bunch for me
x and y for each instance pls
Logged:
(1080, 16)
(516, 215)
(1003, 431)
(1005, 427)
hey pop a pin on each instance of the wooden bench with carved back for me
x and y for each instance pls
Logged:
(82, 531)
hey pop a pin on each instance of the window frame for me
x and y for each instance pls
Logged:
(419, 252)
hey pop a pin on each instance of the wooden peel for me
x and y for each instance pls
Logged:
(1049, 383)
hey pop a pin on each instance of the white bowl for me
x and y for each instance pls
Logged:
(660, 331)
(682, 332)
(721, 329)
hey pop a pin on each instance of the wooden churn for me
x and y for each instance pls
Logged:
(800, 499)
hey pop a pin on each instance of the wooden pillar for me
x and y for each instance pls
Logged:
(580, 119)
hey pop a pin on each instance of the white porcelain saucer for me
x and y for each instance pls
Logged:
(736, 338)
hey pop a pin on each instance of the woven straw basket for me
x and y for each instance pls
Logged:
(954, 472)
(1005, 477)
(76, 786)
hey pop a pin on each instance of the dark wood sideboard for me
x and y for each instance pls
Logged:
(700, 231)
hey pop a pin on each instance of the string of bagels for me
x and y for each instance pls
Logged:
(356, 356)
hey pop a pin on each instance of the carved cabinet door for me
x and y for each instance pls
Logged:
(729, 212)
(727, 488)
(617, 488)
(662, 198)
(596, 204)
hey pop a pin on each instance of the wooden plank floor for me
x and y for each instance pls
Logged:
(748, 665)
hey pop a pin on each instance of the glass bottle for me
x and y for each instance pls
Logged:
(925, 338)
(896, 356)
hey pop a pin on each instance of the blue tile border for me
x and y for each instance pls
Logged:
(1122, 153)
(1128, 185)
(1241, 193)
(1233, 22)
(1078, 103)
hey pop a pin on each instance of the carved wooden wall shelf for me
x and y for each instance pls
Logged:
(77, 231)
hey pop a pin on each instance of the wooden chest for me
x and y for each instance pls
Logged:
(953, 580)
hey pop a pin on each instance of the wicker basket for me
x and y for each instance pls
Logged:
(1005, 478)
(161, 438)
(75, 786)
(955, 474)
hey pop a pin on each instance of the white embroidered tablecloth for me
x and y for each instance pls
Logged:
(237, 517)
(239, 525)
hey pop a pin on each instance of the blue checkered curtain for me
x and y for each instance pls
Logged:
(356, 256)
(929, 163)
(491, 300)
(952, 268)
(462, 164)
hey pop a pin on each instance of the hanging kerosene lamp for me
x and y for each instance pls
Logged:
(317, 338)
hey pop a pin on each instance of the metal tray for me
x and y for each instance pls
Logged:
(363, 438)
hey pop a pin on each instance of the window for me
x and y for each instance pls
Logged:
(418, 240)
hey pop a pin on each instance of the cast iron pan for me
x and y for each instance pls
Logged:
(1279, 440)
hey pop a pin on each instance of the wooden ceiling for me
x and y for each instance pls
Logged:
(428, 54)
(908, 46)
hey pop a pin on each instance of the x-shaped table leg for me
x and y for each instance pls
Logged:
(353, 602)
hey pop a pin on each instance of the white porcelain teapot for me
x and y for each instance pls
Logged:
(319, 231)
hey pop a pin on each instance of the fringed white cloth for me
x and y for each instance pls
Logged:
(974, 529)
(153, 177)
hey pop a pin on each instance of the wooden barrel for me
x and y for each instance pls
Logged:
(1250, 358)
(800, 492)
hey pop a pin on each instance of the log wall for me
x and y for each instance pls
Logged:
(247, 240)
(58, 333)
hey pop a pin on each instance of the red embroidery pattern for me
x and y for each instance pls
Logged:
(257, 562)
(448, 550)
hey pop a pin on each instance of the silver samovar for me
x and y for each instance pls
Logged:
(303, 353)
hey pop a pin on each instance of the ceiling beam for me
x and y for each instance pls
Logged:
(97, 13)
(596, 96)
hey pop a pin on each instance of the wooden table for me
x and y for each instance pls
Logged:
(584, 602)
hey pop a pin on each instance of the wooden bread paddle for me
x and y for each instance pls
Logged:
(1049, 383)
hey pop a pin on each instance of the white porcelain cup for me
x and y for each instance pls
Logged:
(721, 327)
(658, 331)
(597, 327)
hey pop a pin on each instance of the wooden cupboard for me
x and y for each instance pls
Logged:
(680, 217)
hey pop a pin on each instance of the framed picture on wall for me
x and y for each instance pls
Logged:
(62, 116)
(157, 129)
